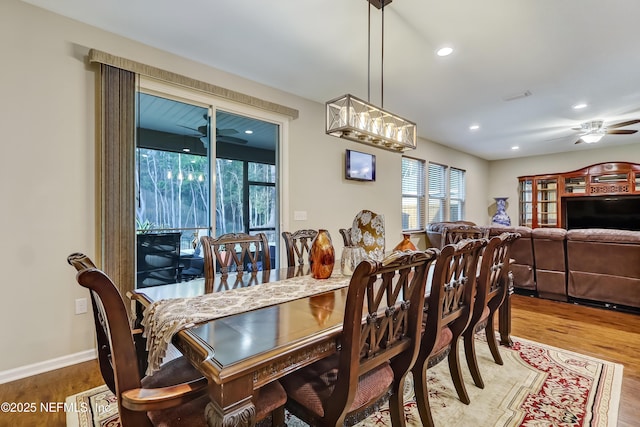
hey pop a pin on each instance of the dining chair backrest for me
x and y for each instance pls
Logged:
(82, 262)
(116, 349)
(231, 251)
(382, 320)
(453, 287)
(457, 232)
(494, 270)
(298, 245)
(368, 232)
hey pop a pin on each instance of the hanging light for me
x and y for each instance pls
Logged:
(352, 118)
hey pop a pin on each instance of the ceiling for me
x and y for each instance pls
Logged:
(560, 52)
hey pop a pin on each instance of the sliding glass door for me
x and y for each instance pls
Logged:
(182, 151)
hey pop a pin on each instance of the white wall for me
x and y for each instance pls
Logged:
(48, 174)
(503, 174)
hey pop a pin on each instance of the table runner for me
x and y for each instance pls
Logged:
(163, 318)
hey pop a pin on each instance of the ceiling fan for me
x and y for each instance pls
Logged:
(594, 130)
(222, 135)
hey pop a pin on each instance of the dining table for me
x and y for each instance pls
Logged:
(263, 325)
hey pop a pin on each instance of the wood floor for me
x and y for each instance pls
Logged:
(597, 332)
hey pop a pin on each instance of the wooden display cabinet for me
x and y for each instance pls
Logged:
(540, 196)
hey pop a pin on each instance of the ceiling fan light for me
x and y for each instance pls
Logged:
(592, 137)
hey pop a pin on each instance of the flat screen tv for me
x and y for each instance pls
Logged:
(360, 166)
(621, 212)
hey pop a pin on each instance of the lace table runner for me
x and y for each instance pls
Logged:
(163, 318)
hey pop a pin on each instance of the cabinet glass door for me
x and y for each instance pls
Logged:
(526, 203)
(547, 202)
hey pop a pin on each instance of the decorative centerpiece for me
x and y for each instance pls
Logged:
(351, 257)
(321, 255)
(501, 216)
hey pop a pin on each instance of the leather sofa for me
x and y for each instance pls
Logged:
(604, 266)
(550, 262)
(522, 265)
(434, 231)
(600, 266)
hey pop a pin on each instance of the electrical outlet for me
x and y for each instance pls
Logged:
(81, 305)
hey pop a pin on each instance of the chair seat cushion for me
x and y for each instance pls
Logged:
(268, 398)
(179, 370)
(313, 385)
(176, 371)
(445, 339)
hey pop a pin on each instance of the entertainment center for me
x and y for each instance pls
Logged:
(604, 195)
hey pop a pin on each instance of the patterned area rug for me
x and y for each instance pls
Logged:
(537, 386)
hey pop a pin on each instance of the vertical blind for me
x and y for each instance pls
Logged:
(413, 194)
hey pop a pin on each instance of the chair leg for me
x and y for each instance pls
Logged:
(396, 404)
(470, 355)
(422, 393)
(491, 339)
(456, 372)
(277, 417)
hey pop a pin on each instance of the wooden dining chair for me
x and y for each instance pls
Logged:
(378, 346)
(493, 282)
(457, 232)
(448, 311)
(235, 252)
(174, 395)
(298, 245)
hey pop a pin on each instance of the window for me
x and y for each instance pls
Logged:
(437, 192)
(446, 193)
(413, 194)
(456, 194)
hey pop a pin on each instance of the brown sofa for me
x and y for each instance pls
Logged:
(550, 262)
(604, 266)
(522, 264)
(434, 231)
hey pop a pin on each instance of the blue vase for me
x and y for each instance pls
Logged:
(501, 216)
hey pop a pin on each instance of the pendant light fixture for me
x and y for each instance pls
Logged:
(352, 118)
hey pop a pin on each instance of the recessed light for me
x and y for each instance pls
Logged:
(248, 131)
(580, 106)
(515, 147)
(444, 51)
(474, 127)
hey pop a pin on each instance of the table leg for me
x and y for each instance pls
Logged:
(504, 316)
(236, 412)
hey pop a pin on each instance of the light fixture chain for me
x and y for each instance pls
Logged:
(369, 54)
(382, 61)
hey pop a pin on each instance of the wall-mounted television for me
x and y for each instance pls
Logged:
(359, 166)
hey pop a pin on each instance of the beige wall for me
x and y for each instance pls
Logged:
(503, 174)
(48, 169)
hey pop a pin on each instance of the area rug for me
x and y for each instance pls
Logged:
(537, 386)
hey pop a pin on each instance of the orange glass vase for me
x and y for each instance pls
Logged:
(322, 256)
(406, 244)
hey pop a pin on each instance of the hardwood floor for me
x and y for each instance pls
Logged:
(601, 333)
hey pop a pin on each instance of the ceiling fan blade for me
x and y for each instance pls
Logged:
(621, 132)
(226, 132)
(623, 124)
(231, 139)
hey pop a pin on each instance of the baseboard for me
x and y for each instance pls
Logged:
(46, 365)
